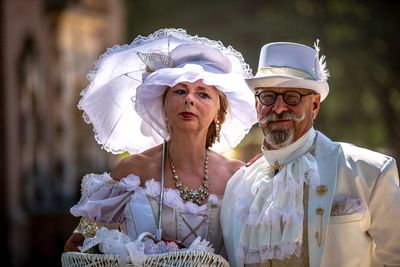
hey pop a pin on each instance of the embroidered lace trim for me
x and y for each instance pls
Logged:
(283, 251)
(172, 198)
(139, 40)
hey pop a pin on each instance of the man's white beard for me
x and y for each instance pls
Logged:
(280, 136)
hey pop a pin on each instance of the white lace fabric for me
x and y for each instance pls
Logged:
(135, 209)
(271, 207)
(104, 199)
(120, 72)
(114, 242)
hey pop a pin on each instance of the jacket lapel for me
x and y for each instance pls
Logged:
(320, 200)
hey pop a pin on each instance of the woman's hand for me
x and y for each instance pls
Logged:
(73, 242)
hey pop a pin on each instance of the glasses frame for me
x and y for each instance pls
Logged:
(257, 95)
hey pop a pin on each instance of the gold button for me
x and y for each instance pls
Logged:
(321, 190)
(319, 211)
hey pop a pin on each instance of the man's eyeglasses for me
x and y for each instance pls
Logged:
(292, 98)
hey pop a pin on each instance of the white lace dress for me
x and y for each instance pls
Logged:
(136, 208)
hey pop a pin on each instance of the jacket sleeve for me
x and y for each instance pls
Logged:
(385, 215)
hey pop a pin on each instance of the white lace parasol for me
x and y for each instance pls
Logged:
(109, 100)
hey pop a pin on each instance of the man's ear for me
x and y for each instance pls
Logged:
(316, 105)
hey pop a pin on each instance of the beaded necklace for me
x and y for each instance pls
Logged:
(187, 194)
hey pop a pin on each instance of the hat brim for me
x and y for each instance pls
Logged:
(321, 87)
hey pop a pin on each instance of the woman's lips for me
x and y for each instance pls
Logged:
(187, 115)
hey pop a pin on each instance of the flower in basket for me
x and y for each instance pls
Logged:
(107, 242)
(115, 242)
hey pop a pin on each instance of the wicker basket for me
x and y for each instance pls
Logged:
(181, 258)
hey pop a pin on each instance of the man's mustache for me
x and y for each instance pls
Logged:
(272, 116)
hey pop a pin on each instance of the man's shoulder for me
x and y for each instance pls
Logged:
(354, 152)
(360, 155)
(355, 155)
(352, 149)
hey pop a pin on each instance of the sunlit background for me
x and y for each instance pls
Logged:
(48, 47)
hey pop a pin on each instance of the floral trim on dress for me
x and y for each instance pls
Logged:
(172, 198)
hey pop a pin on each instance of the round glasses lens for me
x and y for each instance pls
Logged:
(267, 98)
(291, 98)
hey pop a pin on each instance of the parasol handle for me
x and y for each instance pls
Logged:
(159, 230)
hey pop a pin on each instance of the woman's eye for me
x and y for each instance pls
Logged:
(180, 92)
(204, 95)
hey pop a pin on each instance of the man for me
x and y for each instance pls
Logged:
(308, 201)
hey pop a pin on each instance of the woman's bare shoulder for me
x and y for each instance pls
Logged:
(142, 165)
(222, 168)
(230, 165)
(126, 166)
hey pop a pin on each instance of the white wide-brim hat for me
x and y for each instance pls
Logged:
(124, 98)
(292, 65)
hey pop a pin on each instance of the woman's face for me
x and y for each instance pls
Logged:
(191, 106)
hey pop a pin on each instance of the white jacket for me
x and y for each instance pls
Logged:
(366, 240)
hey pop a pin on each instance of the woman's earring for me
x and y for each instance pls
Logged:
(167, 125)
(218, 130)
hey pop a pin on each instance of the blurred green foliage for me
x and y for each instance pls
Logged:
(359, 39)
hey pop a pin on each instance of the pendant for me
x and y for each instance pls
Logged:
(277, 167)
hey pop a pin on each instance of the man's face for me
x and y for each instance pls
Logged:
(289, 117)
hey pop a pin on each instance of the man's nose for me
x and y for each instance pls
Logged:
(279, 106)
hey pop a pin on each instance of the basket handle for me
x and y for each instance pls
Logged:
(146, 234)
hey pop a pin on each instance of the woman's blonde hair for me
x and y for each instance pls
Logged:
(214, 130)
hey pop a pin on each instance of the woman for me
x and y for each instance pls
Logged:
(191, 93)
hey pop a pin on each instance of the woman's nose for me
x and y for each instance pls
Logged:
(189, 100)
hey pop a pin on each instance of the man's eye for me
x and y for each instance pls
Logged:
(268, 96)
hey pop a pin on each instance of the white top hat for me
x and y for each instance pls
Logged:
(285, 64)
(124, 98)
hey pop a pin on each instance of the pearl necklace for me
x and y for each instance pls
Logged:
(193, 195)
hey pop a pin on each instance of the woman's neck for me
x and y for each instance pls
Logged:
(187, 151)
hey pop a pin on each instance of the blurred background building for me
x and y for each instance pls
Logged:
(48, 46)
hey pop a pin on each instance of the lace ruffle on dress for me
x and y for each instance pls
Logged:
(136, 209)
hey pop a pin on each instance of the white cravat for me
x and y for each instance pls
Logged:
(273, 227)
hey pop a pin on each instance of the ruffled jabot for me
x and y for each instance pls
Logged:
(273, 220)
